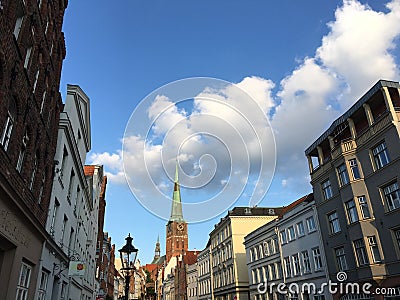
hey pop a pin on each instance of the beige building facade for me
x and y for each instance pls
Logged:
(228, 255)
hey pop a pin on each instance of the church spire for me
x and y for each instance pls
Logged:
(157, 251)
(176, 211)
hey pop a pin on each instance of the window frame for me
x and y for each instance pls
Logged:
(341, 261)
(388, 190)
(288, 266)
(310, 230)
(354, 166)
(334, 223)
(7, 130)
(327, 191)
(303, 231)
(360, 251)
(317, 259)
(291, 233)
(377, 152)
(343, 175)
(282, 234)
(351, 211)
(296, 264)
(43, 284)
(364, 207)
(306, 261)
(24, 281)
(373, 247)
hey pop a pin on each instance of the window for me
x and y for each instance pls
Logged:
(354, 169)
(20, 19)
(21, 155)
(341, 259)
(280, 271)
(361, 252)
(23, 282)
(351, 211)
(265, 248)
(63, 230)
(327, 189)
(317, 259)
(33, 174)
(392, 196)
(6, 136)
(300, 229)
(291, 235)
(275, 244)
(296, 264)
(63, 290)
(288, 267)
(362, 201)
(54, 217)
(41, 188)
(36, 81)
(64, 161)
(44, 276)
(334, 224)
(283, 237)
(343, 175)
(397, 236)
(381, 155)
(271, 247)
(43, 101)
(70, 185)
(373, 246)
(27, 57)
(260, 251)
(310, 224)
(272, 271)
(293, 296)
(306, 261)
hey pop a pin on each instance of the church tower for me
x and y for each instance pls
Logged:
(177, 232)
(157, 250)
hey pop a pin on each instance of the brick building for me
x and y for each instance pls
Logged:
(32, 50)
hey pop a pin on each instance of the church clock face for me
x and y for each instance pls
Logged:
(180, 226)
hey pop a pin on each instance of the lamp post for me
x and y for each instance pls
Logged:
(128, 255)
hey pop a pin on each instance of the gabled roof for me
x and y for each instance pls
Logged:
(190, 257)
(89, 170)
(307, 198)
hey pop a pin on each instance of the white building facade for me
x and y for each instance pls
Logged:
(302, 252)
(228, 254)
(72, 218)
(204, 274)
(191, 281)
(263, 260)
(286, 256)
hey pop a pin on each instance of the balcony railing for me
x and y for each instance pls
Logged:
(350, 144)
(379, 124)
(344, 147)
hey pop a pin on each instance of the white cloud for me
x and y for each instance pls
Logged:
(357, 51)
(358, 46)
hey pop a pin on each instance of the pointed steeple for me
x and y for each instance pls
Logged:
(176, 211)
(157, 251)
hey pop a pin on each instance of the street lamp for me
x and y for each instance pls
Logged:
(128, 255)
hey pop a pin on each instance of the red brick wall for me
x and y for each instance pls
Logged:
(16, 85)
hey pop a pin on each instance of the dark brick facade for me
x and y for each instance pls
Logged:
(24, 83)
(32, 50)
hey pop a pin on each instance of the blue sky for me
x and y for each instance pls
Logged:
(305, 61)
